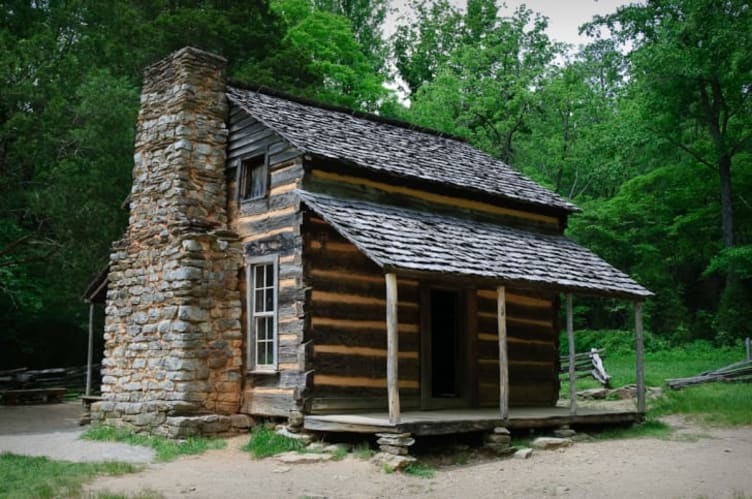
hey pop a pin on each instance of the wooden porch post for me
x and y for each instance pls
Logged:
(572, 376)
(90, 352)
(392, 348)
(639, 351)
(503, 357)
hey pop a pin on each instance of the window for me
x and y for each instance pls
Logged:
(253, 178)
(262, 313)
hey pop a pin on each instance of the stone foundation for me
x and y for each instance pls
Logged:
(173, 359)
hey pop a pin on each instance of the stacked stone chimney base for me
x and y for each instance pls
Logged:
(173, 341)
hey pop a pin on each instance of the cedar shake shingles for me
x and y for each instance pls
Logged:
(377, 145)
(403, 239)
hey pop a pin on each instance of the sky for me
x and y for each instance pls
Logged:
(564, 16)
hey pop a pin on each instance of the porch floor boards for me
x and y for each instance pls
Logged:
(440, 422)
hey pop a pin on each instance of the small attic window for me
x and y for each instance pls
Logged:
(253, 179)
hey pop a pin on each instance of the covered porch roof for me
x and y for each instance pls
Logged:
(404, 240)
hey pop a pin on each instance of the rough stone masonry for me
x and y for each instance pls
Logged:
(173, 342)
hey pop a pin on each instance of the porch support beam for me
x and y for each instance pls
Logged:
(639, 351)
(392, 349)
(90, 351)
(503, 355)
(572, 351)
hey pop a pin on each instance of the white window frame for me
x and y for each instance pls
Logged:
(252, 344)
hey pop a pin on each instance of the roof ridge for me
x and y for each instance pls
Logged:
(307, 101)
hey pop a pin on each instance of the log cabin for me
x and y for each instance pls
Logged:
(344, 271)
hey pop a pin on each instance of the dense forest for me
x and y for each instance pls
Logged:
(648, 128)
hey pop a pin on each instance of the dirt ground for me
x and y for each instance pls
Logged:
(693, 462)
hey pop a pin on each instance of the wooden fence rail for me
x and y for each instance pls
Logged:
(587, 364)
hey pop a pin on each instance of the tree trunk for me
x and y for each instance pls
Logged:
(727, 208)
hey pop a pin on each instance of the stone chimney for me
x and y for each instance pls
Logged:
(173, 341)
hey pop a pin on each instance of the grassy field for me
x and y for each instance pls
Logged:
(165, 448)
(39, 477)
(712, 403)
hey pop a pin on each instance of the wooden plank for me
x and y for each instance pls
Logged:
(640, 352)
(572, 373)
(358, 325)
(503, 360)
(358, 366)
(361, 338)
(392, 348)
(365, 312)
(330, 405)
(90, 350)
(364, 382)
(471, 328)
(522, 331)
(362, 351)
(442, 199)
(517, 298)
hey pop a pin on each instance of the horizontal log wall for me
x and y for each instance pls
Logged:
(348, 326)
(532, 336)
(349, 185)
(272, 226)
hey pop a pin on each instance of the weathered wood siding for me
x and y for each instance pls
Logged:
(272, 226)
(348, 326)
(532, 335)
(436, 201)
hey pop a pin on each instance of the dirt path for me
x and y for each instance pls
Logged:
(694, 462)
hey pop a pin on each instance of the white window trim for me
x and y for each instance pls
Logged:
(251, 263)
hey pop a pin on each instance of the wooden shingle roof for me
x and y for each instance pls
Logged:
(408, 240)
(380, 145)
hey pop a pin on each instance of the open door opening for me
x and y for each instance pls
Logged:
(444, 342)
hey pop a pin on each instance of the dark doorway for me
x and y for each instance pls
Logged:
(445, 343)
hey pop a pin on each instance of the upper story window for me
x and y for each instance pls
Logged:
(262, 317)
(253, 178)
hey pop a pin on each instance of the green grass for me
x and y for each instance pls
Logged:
(266, 442)
(419, 470)
(363, 451)
(166, 449)
(724, 404)
(40, 477)
(718, 404)
(650, 428)
(340, 453)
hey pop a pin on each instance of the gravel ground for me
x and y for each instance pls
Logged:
(52, 430)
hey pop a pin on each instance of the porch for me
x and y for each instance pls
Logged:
(442, 422)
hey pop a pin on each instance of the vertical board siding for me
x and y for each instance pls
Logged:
(348, 325)
(532, 339)
(272, 226)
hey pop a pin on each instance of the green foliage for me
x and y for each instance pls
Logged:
(651, 428)
(24, 476)
(266, 442)
(363, 451)
(419, 470)
(662, 360)
(421, 46)
(725, 404)
(486, 89)
(165, 448)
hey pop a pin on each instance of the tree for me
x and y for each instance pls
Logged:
(366, 20)
(422, 45)
(691, 61)
(331, 54)
(582, 125)
(487, 88)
